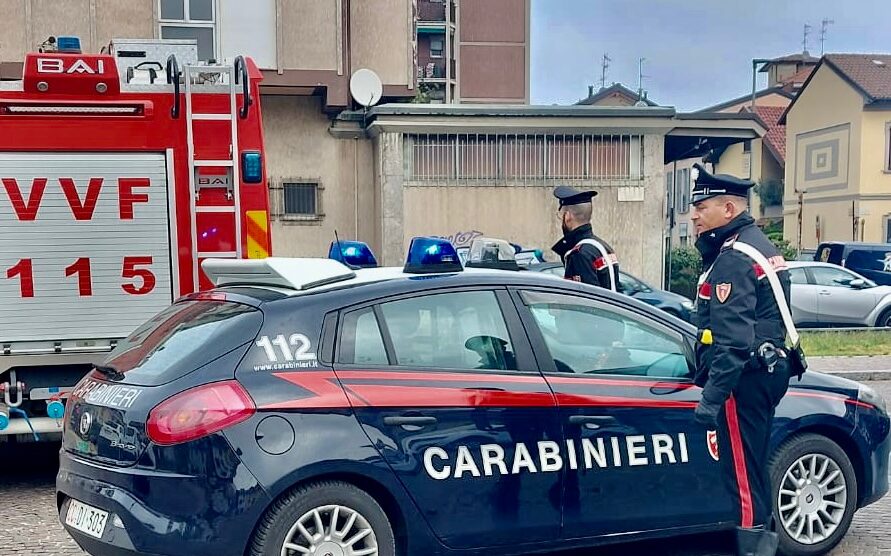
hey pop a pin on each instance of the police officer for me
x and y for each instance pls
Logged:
(740, 354)
(586, 257)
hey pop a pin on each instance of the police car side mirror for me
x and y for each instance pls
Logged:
(858, 284)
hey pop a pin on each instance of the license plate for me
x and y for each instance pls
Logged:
(86, 519)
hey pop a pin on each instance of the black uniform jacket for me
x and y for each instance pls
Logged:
(736, 304)
(585, 263)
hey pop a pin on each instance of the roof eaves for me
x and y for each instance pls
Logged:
(758, 94)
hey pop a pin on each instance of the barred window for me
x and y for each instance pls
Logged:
(296, 200)
(300, 199)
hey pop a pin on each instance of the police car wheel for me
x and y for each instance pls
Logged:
(814, 494)
(884, 319)
(330, 518)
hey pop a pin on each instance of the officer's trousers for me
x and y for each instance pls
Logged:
(743, 433)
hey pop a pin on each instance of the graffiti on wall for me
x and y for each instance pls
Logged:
(463, 239)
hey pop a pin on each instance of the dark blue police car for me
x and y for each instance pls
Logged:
(306, 407)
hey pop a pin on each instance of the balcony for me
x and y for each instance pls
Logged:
(431, 12)
(432, 71)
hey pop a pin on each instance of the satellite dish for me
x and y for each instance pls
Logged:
(366, 87)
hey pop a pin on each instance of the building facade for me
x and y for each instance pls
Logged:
(474, 51)
(838, 138)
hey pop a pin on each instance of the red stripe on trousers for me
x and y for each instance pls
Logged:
(739, 464)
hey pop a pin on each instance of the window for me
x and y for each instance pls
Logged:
(586, 338)
(798, 276)
(300, 200)
(824, 276)
(190, 19)
(669, 190)
(683, 191)
(436, 46)
(461, 330)
(361, 342)
(684, 233)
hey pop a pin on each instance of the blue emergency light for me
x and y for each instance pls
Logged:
(70, 45)
(354, 254)
(432, 254)
(251, 167)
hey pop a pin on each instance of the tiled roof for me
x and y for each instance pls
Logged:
(615, 88)
(870, 73)
(799, 77)
(775, 138)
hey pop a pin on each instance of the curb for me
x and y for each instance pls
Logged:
(861, 376)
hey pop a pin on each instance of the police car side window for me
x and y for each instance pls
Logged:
(361, 340)
(458, 330)
(584, 337)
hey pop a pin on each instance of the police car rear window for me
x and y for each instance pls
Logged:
(182, 338)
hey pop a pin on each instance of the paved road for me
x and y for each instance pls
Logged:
(27, 508)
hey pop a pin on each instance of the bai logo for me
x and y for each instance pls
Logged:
(79, 65)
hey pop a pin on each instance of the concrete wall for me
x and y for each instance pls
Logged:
(299, 148)
(311, 33)
(27, 23)
(381, 39)
(824, 142)
(629, 218)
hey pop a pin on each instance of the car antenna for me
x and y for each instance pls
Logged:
(337, 240)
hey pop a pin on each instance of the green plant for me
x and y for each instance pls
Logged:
(770, 193)
(422, 96)
(686, 265)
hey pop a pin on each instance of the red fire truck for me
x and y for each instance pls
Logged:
(119, 174)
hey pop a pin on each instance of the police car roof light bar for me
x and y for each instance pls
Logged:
(492, 253)
(355, 254)
(292, 273)
(428, 255)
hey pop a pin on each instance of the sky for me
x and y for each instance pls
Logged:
(698, 53)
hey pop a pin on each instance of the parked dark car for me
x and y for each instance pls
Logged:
(302, 407)
(872, 260)
(670, 302)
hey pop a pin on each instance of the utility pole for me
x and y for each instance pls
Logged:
(807, 31)
(755, 63)
(800, 217)
(823, 28)
(604, 65)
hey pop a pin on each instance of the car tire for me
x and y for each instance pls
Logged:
(884, 319)
(280, 522)
(785, 471)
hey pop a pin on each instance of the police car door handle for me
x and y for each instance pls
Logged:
(591, 421)
(410, 420)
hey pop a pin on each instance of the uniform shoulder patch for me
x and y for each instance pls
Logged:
(722, 291)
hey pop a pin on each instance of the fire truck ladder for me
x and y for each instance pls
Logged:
(226, 75)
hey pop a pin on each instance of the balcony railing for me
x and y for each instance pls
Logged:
(432, 70)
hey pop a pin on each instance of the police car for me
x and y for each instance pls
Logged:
(307, 406)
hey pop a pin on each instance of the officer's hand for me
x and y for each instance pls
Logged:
(707, 413)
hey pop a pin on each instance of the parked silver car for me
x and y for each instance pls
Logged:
(825, 294)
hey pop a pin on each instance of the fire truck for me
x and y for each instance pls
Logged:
(120, 173)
